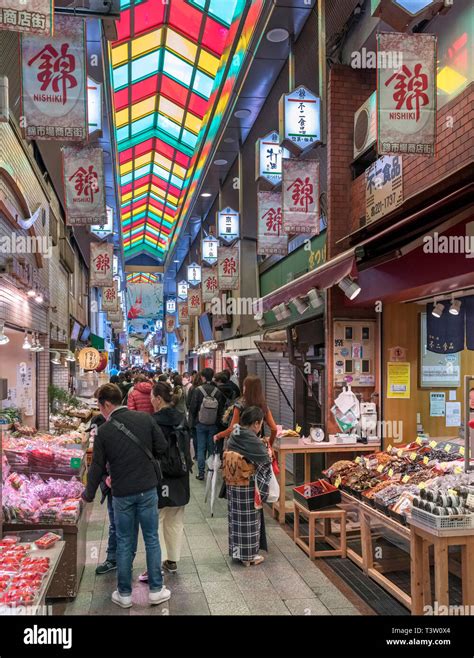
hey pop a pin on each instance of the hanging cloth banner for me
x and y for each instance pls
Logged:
(170, 323)
(144, 300)
(406, 93)
(183, 315)
(101, 272)
(228, 268)
(33, 16)
(271, 238)
(301, 196)
(194, 301)
(445, 335)
(53, 83)
(110, 298)
(210, 284)
(84, 188)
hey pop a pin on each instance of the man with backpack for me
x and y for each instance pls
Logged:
(205, 411)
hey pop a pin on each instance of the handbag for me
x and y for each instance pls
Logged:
(155, 463)
(273, 489)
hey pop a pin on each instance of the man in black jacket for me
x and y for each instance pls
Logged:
(134, 485)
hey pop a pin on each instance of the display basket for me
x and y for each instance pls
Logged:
(381, 507)
(401, 518)
(331, 497)
(434, 522)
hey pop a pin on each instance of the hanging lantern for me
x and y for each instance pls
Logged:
(194, 274)
(269, 156)
(89, 358)
(300, 119)
(104, 359)
(209, 249)
(228, 222)
(183, 289)
(171, 305)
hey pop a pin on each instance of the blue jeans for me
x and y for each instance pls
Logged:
(112, 543)
(139, 508)
(205, 444)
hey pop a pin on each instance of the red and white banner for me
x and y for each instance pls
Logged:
(210, 284)
(271, 238)
(300, 189)
(183, 315)
(101, 272)
(194, 301)
(228, 268)
(406, 93)
(84, 188)
(33, 16)
(53, 83)
(110, 298)
(170, 323)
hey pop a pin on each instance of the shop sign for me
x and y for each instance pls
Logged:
(301, 196)
(33, 16)
(170, 323)
(406, 95)
(183, 316)
(228, 222)
(210, 284)
(110, 298)
(209, 250)
(194, 302)
(89, 358)
(163, 349)
(383, 187)
(183, 290)
(300, 119)
(269, 155)
(53, 83)
(228, 268)
(84, 188)
(194, 274)
(271, 238)
(105, 229)
(101, 273)
(171, 305)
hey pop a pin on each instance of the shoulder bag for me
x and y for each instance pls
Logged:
(155, 463)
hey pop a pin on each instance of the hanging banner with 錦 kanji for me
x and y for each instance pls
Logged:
(406, 93)
(144, 300)
(183, 315)
(53, 83)
(271, 238)
(194, 301)
(170, 323)
(101, 270)
(33, 16)
(84, 189)
(110, 298)
(210, 285)
(228, 268)
(300, 188)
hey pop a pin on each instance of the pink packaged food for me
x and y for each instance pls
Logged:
(9, 540)
(47, 540)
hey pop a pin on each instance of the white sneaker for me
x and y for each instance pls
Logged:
(122, 601)
(155, 598)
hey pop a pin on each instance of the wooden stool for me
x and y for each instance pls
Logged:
(326, 515)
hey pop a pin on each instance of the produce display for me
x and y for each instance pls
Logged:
(21, 575)
(42, 455)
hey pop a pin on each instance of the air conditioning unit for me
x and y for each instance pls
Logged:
(365, 126)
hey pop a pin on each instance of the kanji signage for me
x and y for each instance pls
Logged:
(209, 250)
(89, 358)
(33, 16)
(406, 94)
(183, 290)
(228, 268)
(383, 187)
(228, 228)
(171, 305)
(271, 238)
(210, 284)
(84, 189)
(194, 274)
(103, 230)
(301, 196)
(269, 155)
(101, 265)
(300, 119)
(194, 302)
(170, 323)
(183, 315)
(53, 83)
(110, 298)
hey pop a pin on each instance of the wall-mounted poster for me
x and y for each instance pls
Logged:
(437, 370)
(398, 380)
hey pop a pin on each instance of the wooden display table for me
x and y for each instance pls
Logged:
(326, 516)
(286, 447)
(421, 539)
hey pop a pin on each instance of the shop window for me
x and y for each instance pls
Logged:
(365, 333)
(348, 332)
(349, 366)
(365, 365)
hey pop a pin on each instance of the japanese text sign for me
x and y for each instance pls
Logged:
(84, 189)
(194, 274)
(170, 323)
(183, 316)
(210, 284)
(301, 196)
(101, 265)
(228, 225)
(269, 155)
(300, 118)
(383, 187)
(271, 238)
(194, 302)
(209, 250)
(183, 290)
(228, 268)
(110, 298)
(33, 16)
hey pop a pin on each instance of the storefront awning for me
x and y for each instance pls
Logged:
(245, 344)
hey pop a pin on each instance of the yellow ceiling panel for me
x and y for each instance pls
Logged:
(192, 123)
(119, 55)
(146, 43)
(208, 63)
(181, 46)
(122, 117)
(143, 108)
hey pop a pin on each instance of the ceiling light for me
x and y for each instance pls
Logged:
(300, 305)
(176, 261)
(39, 298)
(315, 298)
(56, 359)
(220, 162)
(437, 309)
(31, 292)
(349, 287)
(242, 114)
(70, 356)
(277, 35)
(206, 195)
(229, 140)
(26, 342)
(455, 306)
(3, 337)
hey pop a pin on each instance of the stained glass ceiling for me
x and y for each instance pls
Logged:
(142, 277)
(165, 65)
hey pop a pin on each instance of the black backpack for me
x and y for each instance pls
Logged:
(177, 461)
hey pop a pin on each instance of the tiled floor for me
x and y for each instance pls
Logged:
(208, 581)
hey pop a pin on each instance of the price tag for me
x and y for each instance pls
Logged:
(413, 456)
(433, 444)
(75, 462)
(390, 473)
(389, 448)
(470, 500)
(422, 485)
(452, 492)
(461, 450)
(405, 479)
(426, 460)
(457, 469)
(357, 460)
(447, 447)
(298, 428)
(399, 452)
(380, 468)
(419, 441)
(337, 481)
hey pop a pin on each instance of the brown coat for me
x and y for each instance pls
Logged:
(236, 470)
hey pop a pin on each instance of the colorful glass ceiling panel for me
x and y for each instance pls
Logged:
(142, 277)
(166, 69)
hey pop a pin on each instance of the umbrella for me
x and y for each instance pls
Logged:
(213, 464)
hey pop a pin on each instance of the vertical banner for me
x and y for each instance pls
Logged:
(228, 268)
(406, 93)
(144, 300)
(210, 284)
(194, 301)
(101, 273)
(170, 323)
(53, 83)
(33, 16)
(271, 238)
(84, 189)
(301, 196)
(183, 316)
(110, 298)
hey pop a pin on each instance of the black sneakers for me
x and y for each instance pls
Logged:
(199, 477)
(105, 567)
(170, 567)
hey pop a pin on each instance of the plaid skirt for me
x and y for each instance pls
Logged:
(246, 528)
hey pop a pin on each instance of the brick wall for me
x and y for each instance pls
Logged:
(59, 293)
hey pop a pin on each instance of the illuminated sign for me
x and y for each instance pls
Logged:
(102, 230)
(269, 156)
(300, 119)
(194, 274)
(209, 249)
(228, 228)
(183, 289)
(94, 105)
(171, 305)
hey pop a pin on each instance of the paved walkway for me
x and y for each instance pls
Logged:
(208, 581)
